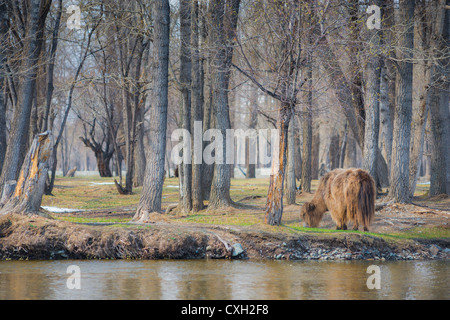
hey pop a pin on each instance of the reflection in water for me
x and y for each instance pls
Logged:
(224, 280)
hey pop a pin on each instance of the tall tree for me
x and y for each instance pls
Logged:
(185, 83)
(439, 104)
(430, 22)
(290, 187)
(372, 99)
(224, 17)
(51, 67)
(399, 182)
(197, 103)
(306, 174)
(3, 38)
(151, 195)
(68, 104)
(17, 142)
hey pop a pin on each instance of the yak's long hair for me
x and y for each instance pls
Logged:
(349, 194)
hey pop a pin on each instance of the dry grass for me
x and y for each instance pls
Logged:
(103, 204)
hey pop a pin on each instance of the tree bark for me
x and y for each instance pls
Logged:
(343, 147)
(30, 187)
(51, 67)
(222, 33)
(372, 102)
(274, 203)
(17, 143)
(399, 187)
(307, 136)
(385, 140)
(151, 196)
(185, 82)
(208, 123)
(440, 157)
(439, 106)
(291, 188)
(3, 34)
(250, 156)
(139, 165)
(434, 33)
(197, 106)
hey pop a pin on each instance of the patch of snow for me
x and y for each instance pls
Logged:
(61, 210)
(100, 183)
(173, 186)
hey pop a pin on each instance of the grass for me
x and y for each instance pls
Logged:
(100, 194)
(92, 220)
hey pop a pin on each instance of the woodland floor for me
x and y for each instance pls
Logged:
(102, 229)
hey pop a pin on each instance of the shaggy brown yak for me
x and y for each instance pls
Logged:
(349, 194)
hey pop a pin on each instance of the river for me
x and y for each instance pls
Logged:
(223, 279)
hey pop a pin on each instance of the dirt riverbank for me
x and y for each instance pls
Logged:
(399, 233)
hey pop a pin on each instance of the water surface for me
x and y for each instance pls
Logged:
(223, 279)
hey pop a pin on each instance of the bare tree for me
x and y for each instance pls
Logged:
(151, 196)
(372, 99)
(439, 104)
(399, 182)
(3, 39)
(224, 15)
(185, 83)
(35, 25)
(197, 102)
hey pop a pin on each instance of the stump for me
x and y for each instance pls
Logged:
(8, 190)
(71, 172)
(30, 187)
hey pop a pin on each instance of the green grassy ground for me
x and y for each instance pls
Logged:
(95, 194)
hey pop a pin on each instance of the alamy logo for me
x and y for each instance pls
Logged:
(374, 280)
(74, 21)
(374, 20)
(74, 280)
(217, 146)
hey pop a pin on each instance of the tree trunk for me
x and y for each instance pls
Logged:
(399, 188)
(274, 203)
(197, 108)
(307, 137)
(139, 165)
(439, 107)
(51, 67)
(440, 157)
(434, 31)
(151, 196)
(343, 91)
(103, 164)
(71, 172)
(343, 147)
(298, 149)
(439, 113)
(208, 123)
(385, 140)
(17, 143)
(372, 103)
(185, 81)
(8, 190)
(291, 188)
(221, 37)
(129, 131)
(250, 153)
(69, 100)
(3, 34)
(30, 187)
(417, 142)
